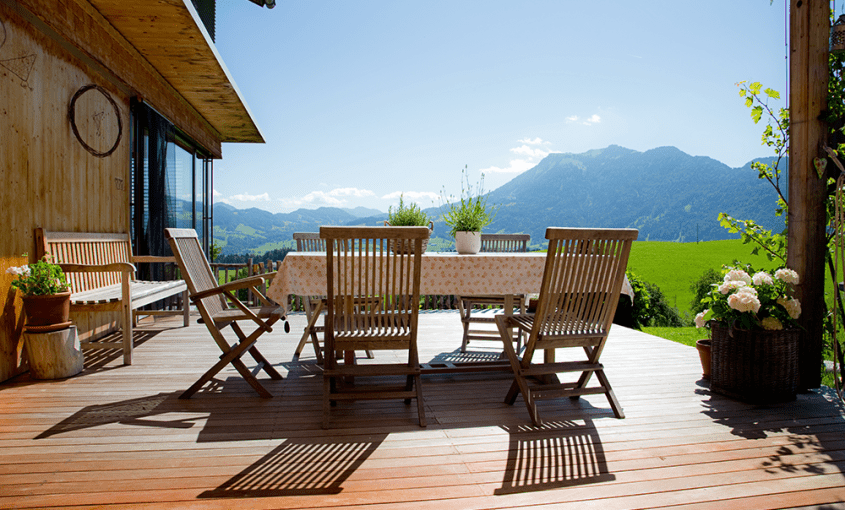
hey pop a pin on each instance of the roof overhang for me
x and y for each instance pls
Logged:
(171, 37)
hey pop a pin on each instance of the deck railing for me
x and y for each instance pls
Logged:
(226, 272)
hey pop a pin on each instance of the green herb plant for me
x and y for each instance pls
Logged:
(407, 216)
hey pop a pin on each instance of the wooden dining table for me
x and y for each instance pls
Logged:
(443, 273)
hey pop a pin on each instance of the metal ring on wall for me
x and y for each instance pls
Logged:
(72, 117)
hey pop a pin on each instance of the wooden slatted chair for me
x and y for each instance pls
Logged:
(373, 295)
(310, 242)
(491, 243)
(582, 279)
(211, 301)
(314, 305)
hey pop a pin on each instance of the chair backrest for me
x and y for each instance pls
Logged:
(309, 241)
(373, 288)
(582, 279)
(84, 248)
(505, 242)
(195, 268)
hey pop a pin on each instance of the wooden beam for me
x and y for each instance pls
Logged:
(806, 248)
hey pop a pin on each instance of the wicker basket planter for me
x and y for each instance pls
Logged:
(406, 245)
(759, 367)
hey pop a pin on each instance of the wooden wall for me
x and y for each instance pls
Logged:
(49, 179)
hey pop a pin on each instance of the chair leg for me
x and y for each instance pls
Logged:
(464, 309)
(420, 401)
(186, 309)
(128, 330)
(519, 385)
(611, 397)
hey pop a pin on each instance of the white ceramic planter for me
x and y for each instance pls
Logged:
(468, 242)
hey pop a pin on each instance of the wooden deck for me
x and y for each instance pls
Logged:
(117, 436)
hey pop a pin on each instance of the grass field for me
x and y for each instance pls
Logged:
(673, 267)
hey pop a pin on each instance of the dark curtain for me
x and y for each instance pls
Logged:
(154, 199)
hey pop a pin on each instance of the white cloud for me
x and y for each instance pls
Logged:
(531, 153)
(572, 118)
(244, 197)
(415, 196)
(517, 166)
(351, 192)
(589, 121)
(594, 119)
(216, 193)
(334, 198)
(536, 141)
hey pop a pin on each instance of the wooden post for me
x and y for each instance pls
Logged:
(808, 77)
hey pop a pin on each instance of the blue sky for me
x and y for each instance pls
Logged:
(360, 101)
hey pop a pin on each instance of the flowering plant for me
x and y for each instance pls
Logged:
(41, 278)
(752, 300)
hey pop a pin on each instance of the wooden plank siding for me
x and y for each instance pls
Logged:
(118, 436)
(50, 50)
(49, 179)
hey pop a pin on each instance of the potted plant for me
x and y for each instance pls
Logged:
(45, 294)
(408, 216)
(467, 216)
(754, 334)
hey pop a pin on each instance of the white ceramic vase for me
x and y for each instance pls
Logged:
(468, 243)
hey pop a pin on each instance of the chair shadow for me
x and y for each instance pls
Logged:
(558, 454)
(135, 411)
(300, 467)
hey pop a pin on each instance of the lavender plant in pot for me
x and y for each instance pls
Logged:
(467, 215)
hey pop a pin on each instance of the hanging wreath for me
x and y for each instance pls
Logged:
(97, 119)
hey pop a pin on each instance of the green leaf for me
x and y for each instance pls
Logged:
(774, 94)
(757, 113)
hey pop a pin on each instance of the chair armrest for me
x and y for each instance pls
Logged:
(152, 258)
(123, 267)
(243, 283)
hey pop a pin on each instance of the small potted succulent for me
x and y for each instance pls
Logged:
(45, 294)
(408, 216)
(468, 215)
(752, 318)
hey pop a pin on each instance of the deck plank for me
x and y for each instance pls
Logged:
(118, 436)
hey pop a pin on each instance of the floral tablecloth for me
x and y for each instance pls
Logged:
(304, 274)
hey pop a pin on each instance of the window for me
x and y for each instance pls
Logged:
(170, 184)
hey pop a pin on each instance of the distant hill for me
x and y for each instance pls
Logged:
(665, 193)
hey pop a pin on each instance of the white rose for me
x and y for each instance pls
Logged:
(738, 275)
(762, 278)
(699, 319)
(731, 285)
(786, 275)
(744, 300)
(793, 306)
(772, 323)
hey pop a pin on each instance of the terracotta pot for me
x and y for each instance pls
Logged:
(50, 312)
(468, 243)
(703, 347)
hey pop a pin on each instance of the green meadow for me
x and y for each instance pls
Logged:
(673, 267)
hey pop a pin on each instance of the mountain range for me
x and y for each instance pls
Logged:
(665, 193)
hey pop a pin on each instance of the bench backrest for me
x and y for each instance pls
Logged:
(84, 248)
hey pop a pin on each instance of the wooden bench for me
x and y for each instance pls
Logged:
(101, 271)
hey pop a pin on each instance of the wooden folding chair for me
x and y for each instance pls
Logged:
(373, 292)
(315, 306)
(515, 243)
(582, 279)
(211, 301)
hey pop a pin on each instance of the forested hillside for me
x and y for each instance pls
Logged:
(665, 193)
